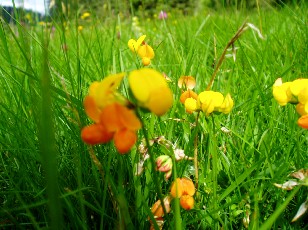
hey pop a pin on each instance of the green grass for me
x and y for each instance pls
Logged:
(47, 176)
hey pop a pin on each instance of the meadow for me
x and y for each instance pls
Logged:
(50, 178)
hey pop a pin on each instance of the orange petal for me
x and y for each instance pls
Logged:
(176, 188)
(110, 118)
(95, 134)
(124, 140)
(187, 94)
(188, 82)
(303, 121)
(157, 208)
(188, 187)
(91, 108)
(187, 202)
(129, 118)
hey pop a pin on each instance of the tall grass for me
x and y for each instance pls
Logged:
(50, 178)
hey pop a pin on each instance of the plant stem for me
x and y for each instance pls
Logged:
(196, 153)
(155, 178)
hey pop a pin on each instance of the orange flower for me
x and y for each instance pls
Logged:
(114, 121)
(303, 121)
(187, 82)
(187, 202)
(184, 189)
(188, 94)
(157, 208)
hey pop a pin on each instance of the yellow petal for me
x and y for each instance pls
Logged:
(210, 100)
(227, 105)
(303, 95)
(151, 90)
(103, 92)
(146, 51)
(160, 101)
(143, 81)
(298, 85)
(190, 105)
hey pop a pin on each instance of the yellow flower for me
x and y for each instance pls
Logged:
(210, 101)
(134, 45)
(80, 28)
(298, 85)
(227, 105)
(103, 92)
(145, 52)
(85, 15)
(191, 105)
(151, 90)
(281, 92)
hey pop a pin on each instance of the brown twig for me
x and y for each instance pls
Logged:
(222, 57)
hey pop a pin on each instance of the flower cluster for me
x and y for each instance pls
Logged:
(206, 101)
(182, 188)
(295, 92)
(163, 162)
(113, 119)
(144, 51)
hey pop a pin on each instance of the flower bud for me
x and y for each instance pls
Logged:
(164, 163)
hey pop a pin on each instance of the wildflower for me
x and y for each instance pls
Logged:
(145, 52)
(184, 189)
(180, 155)
(157, 208)
(80, 28)
(162, 15)
(226, 105)
(303, 121)
(164, 164)
(158, 211)
(113, 120)
(281, 92)
(134, 45)
(151, 90)
(210, 101)
(186, 82)
(85, 15)
(295, 92)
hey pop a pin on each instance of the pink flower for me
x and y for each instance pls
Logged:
(162, 15)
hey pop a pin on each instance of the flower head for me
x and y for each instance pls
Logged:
(144, 51)
(162, 15)
(85, 15)
(164, 164)
(186, 82)
(184, 189)
(113, 120)
(295, 92)
(151, 90)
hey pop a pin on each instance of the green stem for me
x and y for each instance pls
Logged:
(196, 153)
(152, 159)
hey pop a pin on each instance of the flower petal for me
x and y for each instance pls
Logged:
(124, 140)
(187, 202)
(91, 108)
(95, 134)
(303, 121)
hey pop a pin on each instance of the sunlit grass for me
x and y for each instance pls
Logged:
(48, 176)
